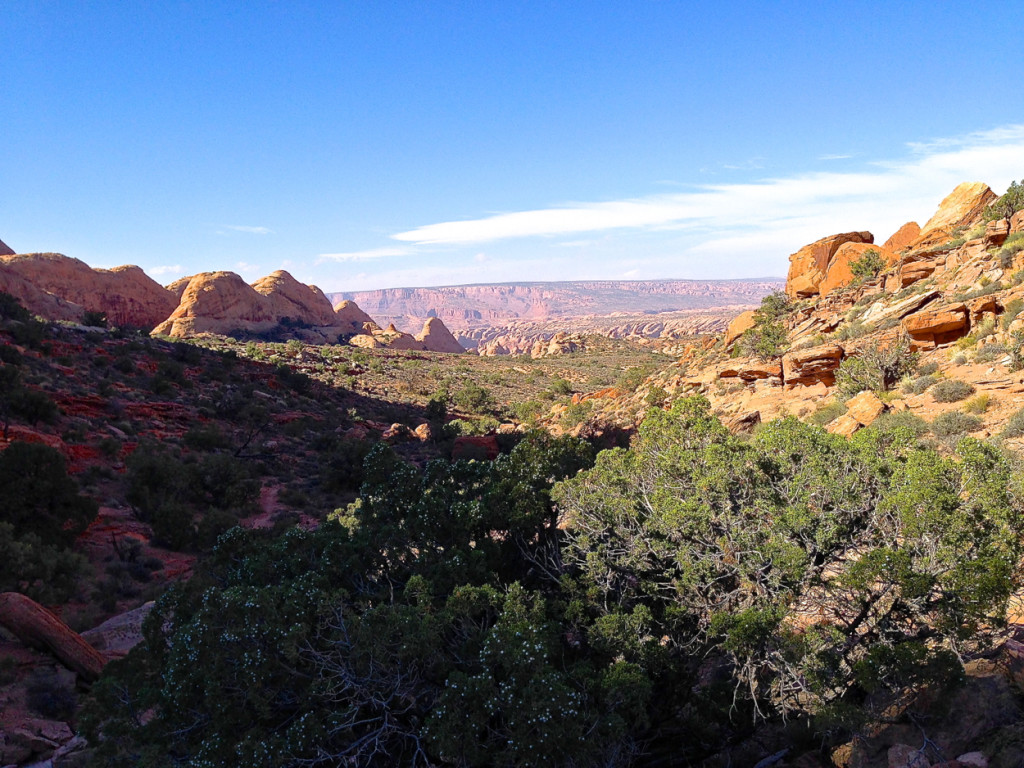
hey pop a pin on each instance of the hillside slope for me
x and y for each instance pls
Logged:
(930, 327)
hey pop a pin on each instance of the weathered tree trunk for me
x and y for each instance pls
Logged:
(39, 628)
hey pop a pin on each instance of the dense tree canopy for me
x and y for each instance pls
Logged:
(547, 609)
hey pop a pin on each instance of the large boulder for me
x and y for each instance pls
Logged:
(119, 634)
(809, 265)
(435, 337)
(751, 370)
(903, 237)
(126, 295)
(963, 207)
(865, 407)
(812, 365)
(939, 325)
(839, 273)
(739, 325)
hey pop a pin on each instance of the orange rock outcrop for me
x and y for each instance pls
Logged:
(288, 298)
(434, 337)
(348, 313)
(223, 303)
(740, 324)
(35, 299)
(812, 365)
(940, 325)
(126, 295)
(809, 265)
(903, 237)
(839, 273)
(963, 207)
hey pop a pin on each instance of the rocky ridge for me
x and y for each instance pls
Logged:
(947, 290)
(58, 287)
(126, 295)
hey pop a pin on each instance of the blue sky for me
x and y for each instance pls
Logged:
(377, 144)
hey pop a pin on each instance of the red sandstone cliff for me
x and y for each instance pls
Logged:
(126, 295)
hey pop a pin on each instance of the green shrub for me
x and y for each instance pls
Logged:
(633, 377)
(41, 514)
(94, 319)
(955, 424)
(990, 353)
(1007, 204)
(50, 696)
(852, 330)
(1016, 348)
(902, 422)
(1010, 312)
(560, 387)
(978, 404)
(767, 338)
(926, 369)
(867, 266)
(175, 496)
(951, 391)
(473, 398)
(1014, 426)
(826, 414)
(38, 497)
(987, 289)
(921, 383)
(11, 309)
(876, 368)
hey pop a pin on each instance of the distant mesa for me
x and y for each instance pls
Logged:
(467, 309)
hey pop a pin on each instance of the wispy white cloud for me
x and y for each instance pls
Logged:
(370, 254)
(835, 157)
(775, 211)
(249, 230)
(167, 269)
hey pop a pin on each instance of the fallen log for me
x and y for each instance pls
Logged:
(39, 628)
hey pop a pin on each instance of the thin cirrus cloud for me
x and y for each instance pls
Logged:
(370, 254)
(167, 269)
(249, 230)
(883, 195)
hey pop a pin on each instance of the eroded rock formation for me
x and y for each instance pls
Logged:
(126, 295)
(223, 303)
(809, 266)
